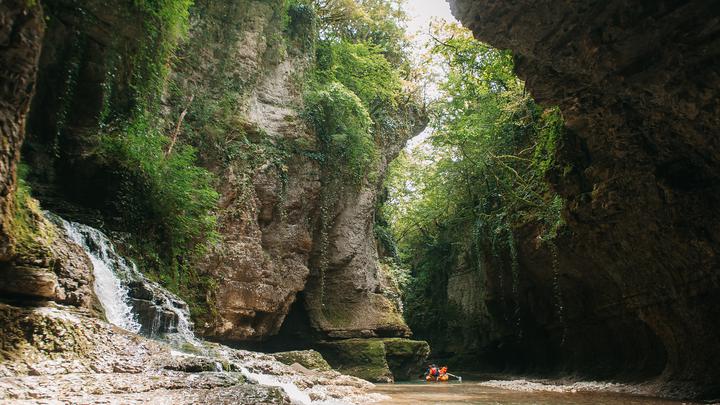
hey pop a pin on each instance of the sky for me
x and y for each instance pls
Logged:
(421, 13)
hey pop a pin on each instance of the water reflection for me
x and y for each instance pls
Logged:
(474, 393)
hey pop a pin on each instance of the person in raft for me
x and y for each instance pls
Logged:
(432, 373)
(435, 373)
(443, 374)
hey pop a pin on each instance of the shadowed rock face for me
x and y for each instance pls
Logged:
(21, 34)
(236, 56)
(638, 85)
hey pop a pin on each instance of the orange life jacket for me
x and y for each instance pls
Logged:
(433, 371)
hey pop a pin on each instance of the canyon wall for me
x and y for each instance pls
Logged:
(37, 263)
(234, 91)
(638, 167)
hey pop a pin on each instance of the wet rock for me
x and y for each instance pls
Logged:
(156, 309)
(49, 266)
(59, 354)
(377, 360)
(194, 364)
(309, 359)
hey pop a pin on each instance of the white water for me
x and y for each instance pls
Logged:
(113, 272)
(110, 290)
(293, 392)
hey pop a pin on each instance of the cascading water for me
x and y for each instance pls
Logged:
(136, 304)
(110, 290)
(129, 299)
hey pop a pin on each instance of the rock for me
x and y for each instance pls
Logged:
(48, 266)
(29, 281)
(194, 364)
(59, 354)
(270, 209)
(638, 168)
(406, 358)
(377, 360)
(307, 358)
(362, 358)
(21, 33)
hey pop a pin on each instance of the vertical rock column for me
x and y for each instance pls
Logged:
(21, 34)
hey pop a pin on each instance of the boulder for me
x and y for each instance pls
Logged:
(377, 360)
(309, 359)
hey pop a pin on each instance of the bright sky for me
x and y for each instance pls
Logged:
(421, 13)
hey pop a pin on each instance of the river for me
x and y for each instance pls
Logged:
(522, 393)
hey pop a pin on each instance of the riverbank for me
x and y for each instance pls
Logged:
(57, 354)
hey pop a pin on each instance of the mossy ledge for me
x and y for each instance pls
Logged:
(376, 360)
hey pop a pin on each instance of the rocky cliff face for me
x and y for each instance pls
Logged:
(37, 263)
(22, 33)
(271, 186)
(234, 92)
(638, 167)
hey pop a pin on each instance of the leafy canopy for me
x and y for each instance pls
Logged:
(357, 78)
(481, 173)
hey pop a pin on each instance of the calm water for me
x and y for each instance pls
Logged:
(474, 393)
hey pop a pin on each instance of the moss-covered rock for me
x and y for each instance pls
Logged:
(405, 357)
(376, 360)
(307, 358)
(362, 358)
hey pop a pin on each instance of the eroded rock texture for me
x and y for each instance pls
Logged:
(21, 34)
(36, 261)
(58, 354)
(237, 83)
(638, 84)
(241, 78)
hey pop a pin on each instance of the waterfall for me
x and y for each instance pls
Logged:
(107, 267)
(129, 299)
(139, 305)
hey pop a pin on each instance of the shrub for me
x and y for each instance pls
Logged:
(343, 125)
(178, 200)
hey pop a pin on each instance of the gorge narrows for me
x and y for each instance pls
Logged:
(359, 190)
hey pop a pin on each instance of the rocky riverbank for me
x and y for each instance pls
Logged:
(57, 354)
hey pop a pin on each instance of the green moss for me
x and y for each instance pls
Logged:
(406, 357)
(362, 358)
(32, 236)
(377, 360)
(309, 359)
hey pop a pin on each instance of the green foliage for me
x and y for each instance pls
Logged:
(171, 15)
(481, 174)
(354, 81)
(167, 197)
(301, 22)
(342, 124)
(362, 68)
(379, 22)
(168, 22)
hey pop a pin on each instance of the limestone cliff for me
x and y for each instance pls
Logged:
(36, 262)
(639, 165)
(234, 91)
(271, 186)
